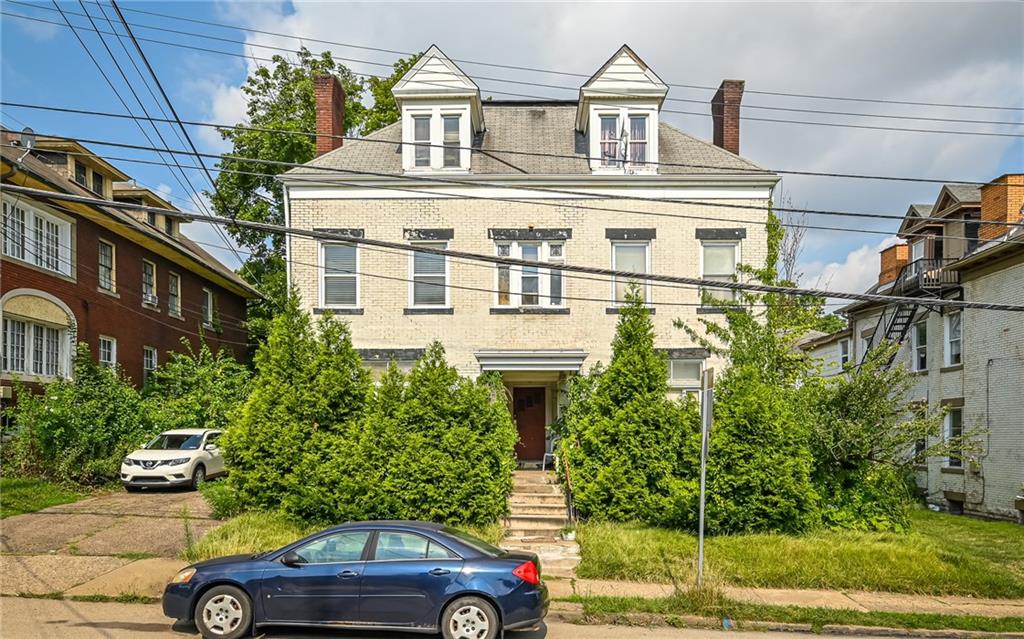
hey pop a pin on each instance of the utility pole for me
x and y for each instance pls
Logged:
(707, 398)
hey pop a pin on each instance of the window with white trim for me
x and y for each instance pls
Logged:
(953, 339)
(174, 294)
(106, 266)
(108, 351)
(149, 283)
(530, 285)
(209, 307)
(718, 264)
(429, 275)
(844, 351)
(421, 134)
(685, 373)
(79, 173)
(609, 140)
(340, 278)
(634, 257)
(36, 237)
(148, 363)
(954, 430)
(920, 346)
(33, 348)
(638, 140)
(451, 138)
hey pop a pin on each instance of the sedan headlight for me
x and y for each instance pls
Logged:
(177, 462)
(127, 461)
(183, 576)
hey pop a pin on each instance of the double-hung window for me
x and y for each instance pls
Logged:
(953, 339)
(633, 257)
(920, 354)
(14, 230)
(79, 173)
(341, 281)
(14, 350)
(685, 373)
(452, 152)
(174, 294)
(48, 235)
(718, 264)
(638, 140)
(531, 285)
(32, 348)
(149, 283)
(108, 351)
(106, 266)
(429, 276)
(421, 136)
(209, 307)
(844, 351)
(148, 363)
(955, 430)
(609, 140)
(35, 236)
(97, 183)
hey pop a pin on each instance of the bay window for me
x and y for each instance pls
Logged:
(634, 257)
(718, 264)
(530, 285)
(429, 276)
(340, 278)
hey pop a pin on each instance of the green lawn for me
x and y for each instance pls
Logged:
(943, 554)
(21, 495)
(599, 608)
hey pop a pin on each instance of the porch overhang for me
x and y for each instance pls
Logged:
(531, 360)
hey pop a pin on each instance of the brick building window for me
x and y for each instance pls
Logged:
(148, 363)
(106, 266)
(634, 257)
(954, 430)
(14, 351)
(340, 286)
(108, 351)
(174, 294)
(920, 348)
(209, 308)
(36, 236)
(30, 347)
(953, 339)
(149, 283)
(718, 263)
(429, 276)
(530, 285)
(14, 230)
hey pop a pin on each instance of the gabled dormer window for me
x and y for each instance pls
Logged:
(637, 142)
(439, 137)
(452, 141)
(421, 135)
(609, 140)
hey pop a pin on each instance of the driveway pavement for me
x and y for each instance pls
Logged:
(58, 548)
(46, 618)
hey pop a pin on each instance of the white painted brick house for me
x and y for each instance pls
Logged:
(493, 181)
(970, 362)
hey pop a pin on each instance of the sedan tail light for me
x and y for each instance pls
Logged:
(528, 572)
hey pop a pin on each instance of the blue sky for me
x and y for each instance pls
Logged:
(949, 53)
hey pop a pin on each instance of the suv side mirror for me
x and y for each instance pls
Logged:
(292, 558)
(210, 446)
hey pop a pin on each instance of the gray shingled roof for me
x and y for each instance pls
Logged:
(545, 128)
(924, 210)
(964, 192)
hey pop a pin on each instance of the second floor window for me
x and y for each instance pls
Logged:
(174, 294)
(106, 266)
(209, 307)
(953, 339)
(421, 135)
(452, 152)
(14, 230)
(108, 351)
(920, 354)
(37, 237)
(429, 276)
(718, 263)
(638, 139)
(633, 257)
(148, 282)
(844, 351)
(955, 430)
(340, 285)
(530, 285)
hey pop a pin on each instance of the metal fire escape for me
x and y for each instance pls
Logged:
(926, 279)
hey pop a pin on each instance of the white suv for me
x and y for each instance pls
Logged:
(174, 458)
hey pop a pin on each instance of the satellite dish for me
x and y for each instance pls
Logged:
(28, 137)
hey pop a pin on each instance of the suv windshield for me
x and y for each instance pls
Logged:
(175, 442)
(474, 542)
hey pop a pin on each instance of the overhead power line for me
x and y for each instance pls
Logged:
(533, 96)
(731, 170)
(556, 72)
(493, 259)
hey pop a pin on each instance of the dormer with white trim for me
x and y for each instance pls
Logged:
(618, 113)
(440, 107)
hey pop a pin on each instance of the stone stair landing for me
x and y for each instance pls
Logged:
(537, 515)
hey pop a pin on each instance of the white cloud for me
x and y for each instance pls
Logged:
(855, 274)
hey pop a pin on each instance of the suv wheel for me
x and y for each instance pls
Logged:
(470, 618)
(224, 612)
(198, 476)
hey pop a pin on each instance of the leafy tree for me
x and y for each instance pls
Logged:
(385, 109)
(196, 389)
(309, 381)
(626, 440)
(79, 429)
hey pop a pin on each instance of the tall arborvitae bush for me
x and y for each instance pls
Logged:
(625, 439)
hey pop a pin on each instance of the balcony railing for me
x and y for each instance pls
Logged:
(929, 275)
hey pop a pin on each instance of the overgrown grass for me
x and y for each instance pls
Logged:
(124, 597)
(943, 554)
(719, 608)
(20, 495)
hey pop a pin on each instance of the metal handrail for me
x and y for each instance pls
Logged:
(926, 273)
(568, 485)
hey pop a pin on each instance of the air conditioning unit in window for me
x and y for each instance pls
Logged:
(149, 299)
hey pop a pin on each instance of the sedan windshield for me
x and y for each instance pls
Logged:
(168, 441)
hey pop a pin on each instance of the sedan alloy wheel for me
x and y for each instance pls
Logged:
(470, 618)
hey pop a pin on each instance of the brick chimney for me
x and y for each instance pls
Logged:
(725, 112)
(892, 260)
(330, 113)
(1001, 201)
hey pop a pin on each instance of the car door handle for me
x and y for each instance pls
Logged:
(348, 574)
(438, 572)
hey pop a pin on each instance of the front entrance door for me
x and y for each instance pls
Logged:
(529, 411)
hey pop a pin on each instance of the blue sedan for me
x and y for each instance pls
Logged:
(382, 575)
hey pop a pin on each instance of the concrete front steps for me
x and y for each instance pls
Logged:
(537, 515)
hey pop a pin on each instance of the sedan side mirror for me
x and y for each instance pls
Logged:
(292, 558)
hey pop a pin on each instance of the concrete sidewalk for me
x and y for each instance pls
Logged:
(840, 600)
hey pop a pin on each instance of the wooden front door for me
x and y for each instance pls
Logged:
(530, 414)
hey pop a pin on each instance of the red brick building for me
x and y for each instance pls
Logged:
(131, 285)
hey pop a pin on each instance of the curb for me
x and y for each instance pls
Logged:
(690, 621)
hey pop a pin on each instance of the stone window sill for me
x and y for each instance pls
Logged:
(114, 293)
(949, 470)
(615, 310)
(528, 310)
(338, 311)
(448, 310)
(951, 369)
